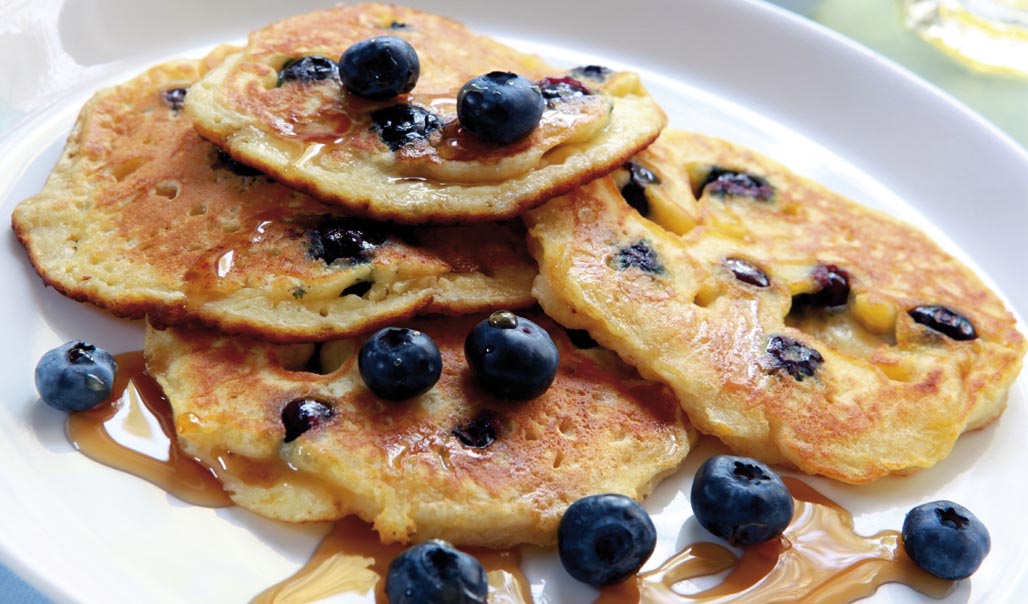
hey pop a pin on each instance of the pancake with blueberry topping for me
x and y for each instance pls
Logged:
(795, 325)
(295, 434)
(143, 216)
(407, 157)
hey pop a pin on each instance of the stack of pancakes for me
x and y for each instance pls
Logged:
(264, 228)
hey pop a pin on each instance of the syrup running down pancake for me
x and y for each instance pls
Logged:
(142, 216)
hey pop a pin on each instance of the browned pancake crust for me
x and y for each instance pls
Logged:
(316, 137)
(598, 428)
(890, 396)
(143, 216)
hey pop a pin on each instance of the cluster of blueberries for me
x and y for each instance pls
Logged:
(602, 539)
(499, 107)
(511, 357)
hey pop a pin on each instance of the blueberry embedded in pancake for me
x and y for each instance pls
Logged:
(454, 462)
(142, 216)
(793, 324)
(406, 156)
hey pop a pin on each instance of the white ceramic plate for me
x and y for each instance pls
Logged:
(84, 534)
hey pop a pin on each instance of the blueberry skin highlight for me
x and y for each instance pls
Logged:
(945, 539)
(75, 376)
(380, 68)
(605, 539)
(500, 107)
(511, 357)
(435, 573)
(399, 363)
(740, 500)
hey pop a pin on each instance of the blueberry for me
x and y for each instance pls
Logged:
(747, 272)
(833, 288)
(740, 500)
(480, 432)
(720, 181)
(795, 357)
(562, 89)
(344, 238)
(944, 320)
(435, 572)
(175, 98)
(402, 124)
(641, 256)
(604, 539)
(307, 69)
(945, 539)
(597, 73)
(75, 376)
(634, 191)
(380, 68)
(399, 363)
(500, 107)
(511, 357)
(303, 414)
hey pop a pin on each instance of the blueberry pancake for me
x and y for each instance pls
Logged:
(408, 158)
(143, 216)
(793, 324)
(295, 434)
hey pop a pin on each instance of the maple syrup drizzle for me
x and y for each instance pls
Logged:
(818, 559)
(351, 559)
(134, 432)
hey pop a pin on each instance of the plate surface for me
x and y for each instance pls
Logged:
(84, 534)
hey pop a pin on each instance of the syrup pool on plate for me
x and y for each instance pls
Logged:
(819, 559)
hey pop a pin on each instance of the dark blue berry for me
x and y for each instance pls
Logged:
(435, 572)
(500, 107)
(795, 357)
(833, 288)
(740, 500)
(480, 432)
(402, 124)
(175, 98)
(380, 68)
(721, 182)
(634, 191)
(596, 73)
(345, 238)
(747, 272)
(511, 357)
(562, 89)
(75, 376)
(944, 320)
(398, 363)
(308, 69)
(303, 414)
(641, 256)
(604, 539)
(945, 539)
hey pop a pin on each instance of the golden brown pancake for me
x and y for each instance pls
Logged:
(453, 463)
(143, 216)
(316, 137)
(837, 381)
